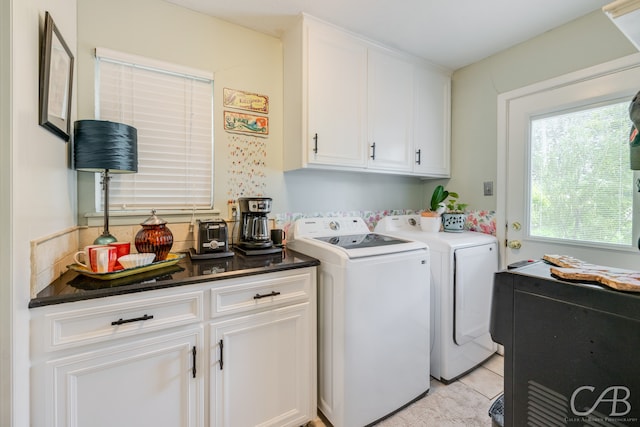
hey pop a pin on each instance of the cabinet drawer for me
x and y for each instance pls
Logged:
(115, 320)
(259, 294)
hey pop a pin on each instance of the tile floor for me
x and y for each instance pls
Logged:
(463, 403)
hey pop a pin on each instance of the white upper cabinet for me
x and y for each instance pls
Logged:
(390, 118)
(432, 122)
(352, 104)
(336, 106)
(325, 98)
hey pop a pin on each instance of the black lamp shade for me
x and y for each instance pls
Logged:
(102, 145)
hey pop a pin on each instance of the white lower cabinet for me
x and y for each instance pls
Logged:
(262, 369)
(148, 383)
(154, 358)
(127, 360)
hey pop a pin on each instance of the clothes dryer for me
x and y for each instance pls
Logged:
(463, 265)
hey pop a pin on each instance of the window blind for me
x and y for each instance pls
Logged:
(581, 184)
(172, 109)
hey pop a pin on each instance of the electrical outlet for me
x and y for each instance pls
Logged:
(488, 188)
(232, 210)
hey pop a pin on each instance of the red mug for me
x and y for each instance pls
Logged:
(122, 249)
(103, 260)
(87, 255)
(97, 258)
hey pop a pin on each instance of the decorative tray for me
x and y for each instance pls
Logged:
(171, 259)
(570, 268)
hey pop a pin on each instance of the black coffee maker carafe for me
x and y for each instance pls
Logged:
(255, 238)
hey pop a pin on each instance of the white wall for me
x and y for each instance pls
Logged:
(42, 193)
(587, 41)
(6, 306)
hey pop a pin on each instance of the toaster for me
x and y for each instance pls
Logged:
(212, 236)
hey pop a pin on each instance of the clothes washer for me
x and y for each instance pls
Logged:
(373, 318)
(463, 265)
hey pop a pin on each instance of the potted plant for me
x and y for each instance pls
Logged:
(430, 219)
(454, 218)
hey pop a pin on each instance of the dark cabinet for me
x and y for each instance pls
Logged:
(572, 350)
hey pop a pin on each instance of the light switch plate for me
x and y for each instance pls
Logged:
(488, 188)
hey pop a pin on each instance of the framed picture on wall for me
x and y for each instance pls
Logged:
(56, 78)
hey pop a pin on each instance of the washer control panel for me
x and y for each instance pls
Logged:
(330, 226)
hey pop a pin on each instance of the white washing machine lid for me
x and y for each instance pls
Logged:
(349, 236)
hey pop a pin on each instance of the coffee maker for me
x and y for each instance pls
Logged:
(255, 238)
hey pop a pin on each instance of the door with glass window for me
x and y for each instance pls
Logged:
(567, 187)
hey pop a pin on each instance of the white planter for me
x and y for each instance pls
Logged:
(430, 224)
(453, 222)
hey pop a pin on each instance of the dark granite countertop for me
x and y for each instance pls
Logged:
(73, 286)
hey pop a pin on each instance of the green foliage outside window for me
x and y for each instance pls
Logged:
(581, 183)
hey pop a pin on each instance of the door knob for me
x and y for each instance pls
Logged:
(516, 226)
(514, 244)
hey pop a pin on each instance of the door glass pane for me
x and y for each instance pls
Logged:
(581, 185)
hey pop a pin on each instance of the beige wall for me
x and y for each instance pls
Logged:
(240, 59)
(237, 57)
(587, 41)
(6, 305)
(38, 188)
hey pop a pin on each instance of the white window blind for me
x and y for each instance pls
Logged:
(172, 109)
(581, 184)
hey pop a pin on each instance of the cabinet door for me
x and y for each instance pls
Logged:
(432, 122)
(261, 369)
(390, 110)
(337, 94)
(145, 383)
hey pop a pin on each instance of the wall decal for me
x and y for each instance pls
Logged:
(246, 167)
(246, 123)
(242, 100)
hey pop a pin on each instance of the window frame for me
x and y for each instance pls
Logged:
(143, 63)
(562, 111)
(508, 230)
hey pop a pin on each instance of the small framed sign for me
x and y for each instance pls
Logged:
(242, 100)
(56, 79)
(246, 123)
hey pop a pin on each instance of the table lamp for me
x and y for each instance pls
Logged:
(105, 147)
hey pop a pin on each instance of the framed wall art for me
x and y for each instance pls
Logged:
(242, 100)
(246, 123)
(56, 78)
